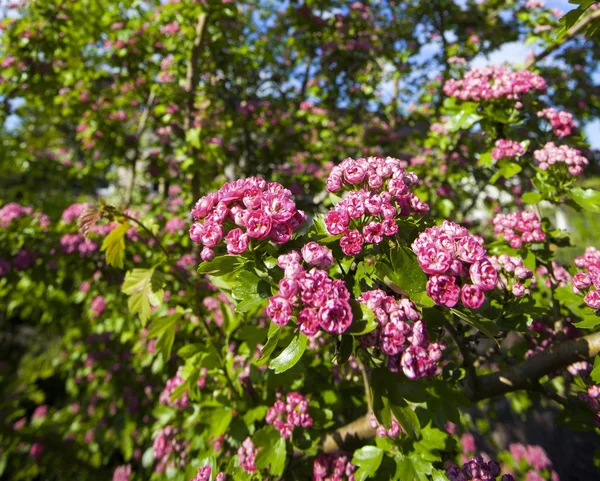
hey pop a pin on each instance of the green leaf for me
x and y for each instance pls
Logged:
(267, 350)
(251, 291)
(221, 265)
(192, 137)
(595, 374)
(408, 419)
(363, 319)
(439, 475)
(507, 170)
(190, 350)
(368, 459)
(143, 288)
(587, 199)
(114, 245)
(272, 450)
(162, 324)
(531, 198)
(485, 326)
(404, 276)
(290, 355)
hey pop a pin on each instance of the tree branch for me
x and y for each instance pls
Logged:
(514, 378)
(574, 30)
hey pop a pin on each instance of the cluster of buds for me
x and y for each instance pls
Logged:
(168, 450)
(505, 148)
(393, 431)
(244, 210)
(518, 228)
(401, 335)
(477, 470)
(285, 416)
(448, 253)
(333, 467)
(494, 82)
(560, 277)
(204, 473)
(592, 398)
(588, 281)
(551, 155)
(561, 121)
(318, 300)
(512, 274)
(247, 455)
(379, 194)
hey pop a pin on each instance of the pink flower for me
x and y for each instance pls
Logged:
(592, 299)
(443, 290)
(279, 310)
(308, 320)
(373, 232)
(213, 233)
(207, 254)
(317, 255)
(336, 222)
(472, 296)
(258, 225)
(484, 275)
(281, 233)
(237, 242)
(335, 316)
(351, 243)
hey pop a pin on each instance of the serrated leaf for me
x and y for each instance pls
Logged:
(142, 287)
(113, 246)
(486, 326)
(290, 355)
(368, 459)
(407, 418)
(267, 350)
(587, 199)
(221, 265)
(531, 198)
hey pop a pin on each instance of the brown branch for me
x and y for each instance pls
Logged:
(193, 74)
(138, 137)
(522, 376)
(574, 30)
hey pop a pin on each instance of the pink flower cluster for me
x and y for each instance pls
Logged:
(534, 455)
(168, 450)
(380, 192)
(551, 155)
(333, 467)
(505, 148)
(247, 455)
(519, 228)
(588, 281)
(175, 225)
(401, 335)
(448, 253)
(122, 473)
(393, 431)
(494, 82)
(285, 416)
(73, 212)
(512, 274)
(72, 243)
(24, 259)
(12, 211)
(477, 470)
(592, 398)
(97, 306)
(562, 122)
(204, 472)
(560, 276)
(173, 383)
(318, 300)
(244, 210)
